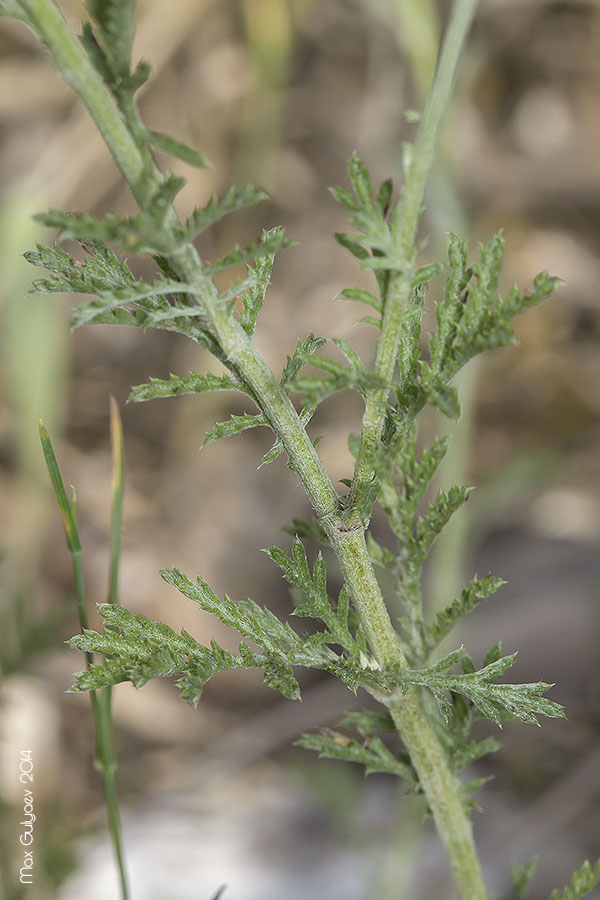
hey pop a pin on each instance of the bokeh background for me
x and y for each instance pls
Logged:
(280, 92)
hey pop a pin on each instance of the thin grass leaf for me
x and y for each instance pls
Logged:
(116, 435)
(66, 509)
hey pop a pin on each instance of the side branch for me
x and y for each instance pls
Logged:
(405, 221)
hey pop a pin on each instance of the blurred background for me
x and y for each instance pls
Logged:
(280, 92)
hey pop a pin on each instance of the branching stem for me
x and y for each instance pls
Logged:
(441, 788)
(406, 220)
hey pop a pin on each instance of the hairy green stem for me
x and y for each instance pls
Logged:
(442, 790)
(406, 220)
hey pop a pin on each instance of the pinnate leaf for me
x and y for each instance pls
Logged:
(584, 880)
(177, 385)
(477, 590)
(232, 201)
(234, 425)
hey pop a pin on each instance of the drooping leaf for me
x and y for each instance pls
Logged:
(373, 754)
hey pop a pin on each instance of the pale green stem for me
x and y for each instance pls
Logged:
(406, 220)
(442, 790)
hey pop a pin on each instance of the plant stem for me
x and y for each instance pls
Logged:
(105, 760)
(441, 788)
(405, 222)
(442, 793)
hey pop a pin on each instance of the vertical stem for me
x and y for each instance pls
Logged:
(405, 220)
(443, 794)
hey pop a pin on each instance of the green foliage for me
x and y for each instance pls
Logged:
(234, 425)
(187, 297)
(365, 748)
(584, 880)
(115, 24)
(494, 701)
(270, 242)
(177, 384)
(66, 508)
(173, 147)
(372, 754)
(233, 200)
(137, 650)
(521, 877)
(315, 602)
(477, 590)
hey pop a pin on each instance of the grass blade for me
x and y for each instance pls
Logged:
(106, 762)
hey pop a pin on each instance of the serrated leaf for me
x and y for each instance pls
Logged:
(521, 701)
(138, 650)
(270, 242)
(374, 756)
(283, 647)
(437, 516)
(115, 22)
(315, 602)
(424, 274)
(177, 385)
(477, 590)
(254, 297)
(521, 877)
(234, 425)
(440, 394)
(137, 234)
(473, 751)
(300, 357)
(360, 178)
(584, 880)
(217, 208)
